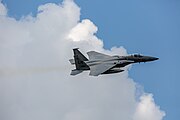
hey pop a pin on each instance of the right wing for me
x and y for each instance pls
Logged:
(96, 56)
(96, 70)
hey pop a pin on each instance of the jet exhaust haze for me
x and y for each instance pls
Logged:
(45, 41)
(24, 71)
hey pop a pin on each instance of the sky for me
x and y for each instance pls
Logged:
(141, 26)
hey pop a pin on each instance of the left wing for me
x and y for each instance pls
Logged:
(96, 70)
(93, 55)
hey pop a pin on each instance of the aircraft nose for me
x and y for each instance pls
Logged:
(154, 58)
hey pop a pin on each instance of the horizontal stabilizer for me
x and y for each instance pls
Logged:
(72, 61)
(75, 72)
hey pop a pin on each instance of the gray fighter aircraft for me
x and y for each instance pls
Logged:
(99, 63)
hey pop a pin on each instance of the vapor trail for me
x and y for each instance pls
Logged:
(29, 70)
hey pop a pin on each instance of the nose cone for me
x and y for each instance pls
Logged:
(152, 58)
(155, 58)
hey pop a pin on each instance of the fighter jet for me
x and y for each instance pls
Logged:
(99, 63)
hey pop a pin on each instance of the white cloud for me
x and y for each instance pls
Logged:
(34, 70)
(147, 109)
(3, 9)
(83, 31)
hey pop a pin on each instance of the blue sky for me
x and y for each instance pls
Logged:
(150, 27)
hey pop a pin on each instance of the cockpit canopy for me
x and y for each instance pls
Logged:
(137, 55)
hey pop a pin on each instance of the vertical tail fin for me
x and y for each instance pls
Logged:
(79, 60)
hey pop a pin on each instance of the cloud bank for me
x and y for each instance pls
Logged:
(34, 71)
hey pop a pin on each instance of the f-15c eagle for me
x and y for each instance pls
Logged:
(99, 63)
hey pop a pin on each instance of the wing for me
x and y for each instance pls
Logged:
(96, 56)
(96, 70)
